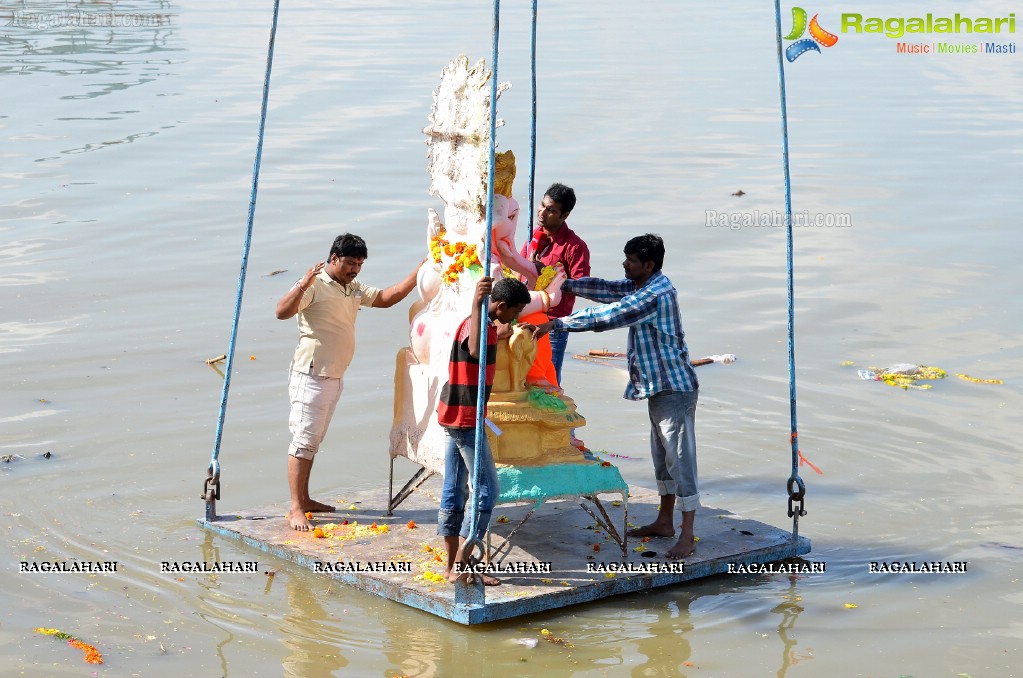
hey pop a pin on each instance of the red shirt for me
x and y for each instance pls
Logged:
(570, 250)
(457, 405)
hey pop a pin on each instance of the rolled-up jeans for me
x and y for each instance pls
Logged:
(459, 468)
(673, 445)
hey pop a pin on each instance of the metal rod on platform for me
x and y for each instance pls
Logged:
(532, 119)
(472, 541)
(212, 490)
(796, 487)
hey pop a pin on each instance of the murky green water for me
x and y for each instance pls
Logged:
(125, 160)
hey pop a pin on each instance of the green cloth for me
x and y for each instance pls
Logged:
(542, 400)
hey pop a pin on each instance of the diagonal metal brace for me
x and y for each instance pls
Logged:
(495, 555)
(413, 484)
(604, 520)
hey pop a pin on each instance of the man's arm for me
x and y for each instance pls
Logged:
(599, 290)
(483, 288)
(398, 291)
(288, 305)
(631, 310)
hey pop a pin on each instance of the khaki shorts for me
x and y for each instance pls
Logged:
(313, 400)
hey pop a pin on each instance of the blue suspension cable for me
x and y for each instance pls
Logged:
(212, 488)
(481, 398)
(532, 121)
(796, 488)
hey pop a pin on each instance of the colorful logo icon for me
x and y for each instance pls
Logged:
(817, 35)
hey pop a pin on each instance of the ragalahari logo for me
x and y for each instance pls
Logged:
(817, 35)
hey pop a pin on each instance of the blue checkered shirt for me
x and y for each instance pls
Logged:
(657, 354)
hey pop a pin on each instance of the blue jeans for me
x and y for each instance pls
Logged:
(559, 341)
(459, 468)
(673, 445)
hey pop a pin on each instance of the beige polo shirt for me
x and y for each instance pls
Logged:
(326, 325)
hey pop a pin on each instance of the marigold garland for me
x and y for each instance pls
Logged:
(977, 380)
(346, 531)
(907, 380)
(92, 655)
(462, 254)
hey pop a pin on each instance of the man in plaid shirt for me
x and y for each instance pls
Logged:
(659, 372)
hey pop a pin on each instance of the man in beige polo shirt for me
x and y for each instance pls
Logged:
(326, 300)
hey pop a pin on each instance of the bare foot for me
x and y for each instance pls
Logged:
(314, 506)
(654, 529)
(298, 521)
(683, 548)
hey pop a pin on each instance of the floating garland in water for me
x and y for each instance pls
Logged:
(92, 655)
(977, 380)
(905, 375)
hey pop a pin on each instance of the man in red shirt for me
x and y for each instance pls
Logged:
(456, 412)
(554, 241)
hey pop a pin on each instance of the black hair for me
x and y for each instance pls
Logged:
(563, 195)
(511, 291)
(647, 247)
(348, 245)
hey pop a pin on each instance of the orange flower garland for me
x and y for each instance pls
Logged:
(462, 254)
(92, 655)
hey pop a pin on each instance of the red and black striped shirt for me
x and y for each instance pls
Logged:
(457, 406)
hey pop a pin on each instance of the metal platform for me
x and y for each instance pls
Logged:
(400, 558)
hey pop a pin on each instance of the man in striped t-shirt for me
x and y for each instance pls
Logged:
(456, 412)
(659, 372)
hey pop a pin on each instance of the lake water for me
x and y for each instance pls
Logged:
(126, 151)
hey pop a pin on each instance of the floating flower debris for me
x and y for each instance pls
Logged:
(551, 638)
(976, 380)
(906, 375)
(92, 655)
